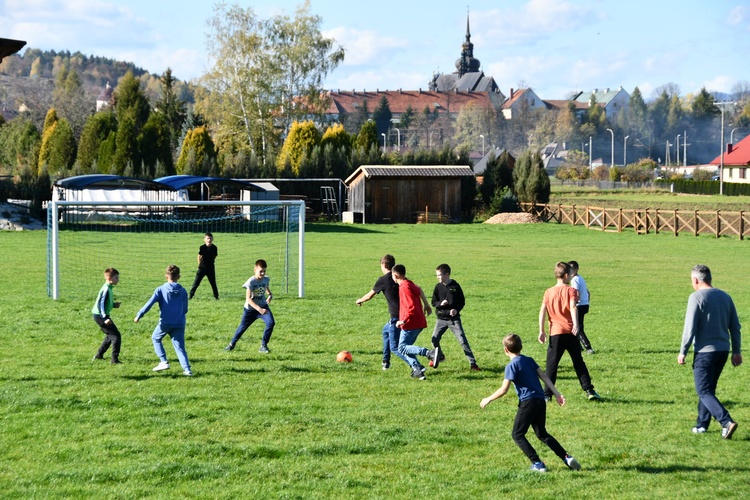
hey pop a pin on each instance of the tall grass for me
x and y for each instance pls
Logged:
(295, 424)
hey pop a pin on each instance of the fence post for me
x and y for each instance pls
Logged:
(742, 225)
(587, 218)
(574, 215)
(676, 224)
(656, 223)
(718, 223)
(619, 220)
(695, 223)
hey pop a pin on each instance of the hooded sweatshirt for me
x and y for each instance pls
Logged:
(173, 304)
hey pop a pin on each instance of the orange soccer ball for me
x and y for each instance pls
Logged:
(344, 357)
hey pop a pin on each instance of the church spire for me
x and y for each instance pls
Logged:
(467, 63)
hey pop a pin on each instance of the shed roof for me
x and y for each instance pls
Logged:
(106, 181)
(371, 171)
(183, 181)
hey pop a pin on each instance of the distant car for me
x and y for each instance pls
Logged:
(714, 177)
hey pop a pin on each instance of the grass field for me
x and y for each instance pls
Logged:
(295, 424)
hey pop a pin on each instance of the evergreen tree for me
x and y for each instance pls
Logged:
(172, 107)
(196, 147)
(154, 143)
(367, 137)
(407, 116)
(97, 129)
(302, 138)
(530, 180)
(62, 148)
(382, 116)
(126, 143)
(50, 122)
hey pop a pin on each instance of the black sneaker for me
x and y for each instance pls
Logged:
(115, 362)
(434, 356)
(230, 347)
(418, 374)
(592, 395)
(386, 365)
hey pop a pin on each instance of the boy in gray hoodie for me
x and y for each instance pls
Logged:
(173, 305)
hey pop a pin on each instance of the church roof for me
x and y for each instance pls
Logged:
(400, 100)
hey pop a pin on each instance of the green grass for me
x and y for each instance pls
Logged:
(646, 198)
(295, 424)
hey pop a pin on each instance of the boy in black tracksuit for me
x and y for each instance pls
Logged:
(448, 300)
(207, 254)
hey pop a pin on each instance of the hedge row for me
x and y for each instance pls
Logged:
(705, 187)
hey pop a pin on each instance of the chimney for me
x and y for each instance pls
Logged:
(730, 148)
(511, 92)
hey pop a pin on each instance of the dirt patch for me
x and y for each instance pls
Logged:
(512, 218)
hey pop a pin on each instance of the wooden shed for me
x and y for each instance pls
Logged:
(390, 194)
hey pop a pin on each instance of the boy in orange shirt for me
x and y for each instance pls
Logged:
(559, 304)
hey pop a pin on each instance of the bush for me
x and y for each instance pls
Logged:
(504, 201)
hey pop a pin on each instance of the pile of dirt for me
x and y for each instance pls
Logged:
(512, 218)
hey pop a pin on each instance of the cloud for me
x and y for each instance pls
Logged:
(535, 20)
(364, 47)
(739, 17)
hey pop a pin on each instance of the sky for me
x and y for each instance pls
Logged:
(555, 47)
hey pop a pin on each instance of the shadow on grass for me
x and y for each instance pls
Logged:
(678, 468)
(340, 228)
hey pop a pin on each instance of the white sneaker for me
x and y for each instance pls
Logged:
(698, 430)
(187, 373)
(163, 365)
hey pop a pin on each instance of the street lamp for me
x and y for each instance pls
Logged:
(625, 152)
(383, 142)
(677, 150)
(480, 135)
(731, 135)
(430, 139)
(591, 154)
(398, 135)
(612, 159)
(721, 163)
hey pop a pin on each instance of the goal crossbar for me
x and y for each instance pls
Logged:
(54, 208)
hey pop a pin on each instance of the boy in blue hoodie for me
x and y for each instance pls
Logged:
(173, 305)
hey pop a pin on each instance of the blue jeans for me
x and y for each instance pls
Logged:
(408, 350)
(391, 334)
(177, 334)
(249, 315)
(707, 368)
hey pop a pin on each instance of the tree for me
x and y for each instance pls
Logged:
(70, 100)
(50, 122)
(302, 138)
(497, 176)
(172, 107)
(566, 125)
(530, 180)
(382, 116)
(19, 145)
(97, 129)
(154, 144)
(197, 151)
(367, 137)
(471, 123)
(263, 71)
(407, 116)
(704, 107)
(130, 99)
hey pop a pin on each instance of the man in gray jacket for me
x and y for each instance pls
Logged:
(711, 322)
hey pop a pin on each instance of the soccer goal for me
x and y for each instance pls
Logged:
(141, 238)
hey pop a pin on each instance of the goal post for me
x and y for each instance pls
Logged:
(143, 237)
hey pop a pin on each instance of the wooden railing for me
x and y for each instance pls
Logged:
(715, 222)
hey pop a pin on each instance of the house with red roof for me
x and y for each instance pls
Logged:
(736, 162)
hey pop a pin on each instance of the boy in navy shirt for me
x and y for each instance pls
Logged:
(532, 409)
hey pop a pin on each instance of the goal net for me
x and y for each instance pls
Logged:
(141, 238)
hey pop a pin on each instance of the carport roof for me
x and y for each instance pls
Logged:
(183, 181)
(105, 181)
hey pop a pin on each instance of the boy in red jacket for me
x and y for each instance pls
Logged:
(411, 321)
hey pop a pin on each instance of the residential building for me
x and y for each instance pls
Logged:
(736, 162)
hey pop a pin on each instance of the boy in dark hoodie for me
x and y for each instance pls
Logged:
(173, 305)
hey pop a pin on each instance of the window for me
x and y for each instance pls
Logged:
(743, 173)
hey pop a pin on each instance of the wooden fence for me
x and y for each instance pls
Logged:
(715, 222)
